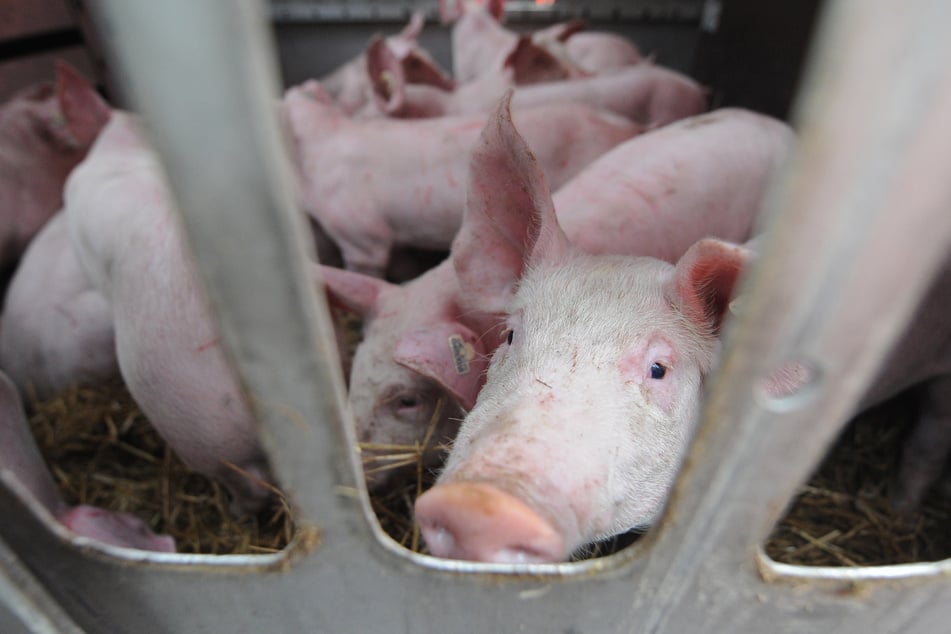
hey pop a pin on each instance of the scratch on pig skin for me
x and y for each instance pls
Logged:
(543, 383)
(453, 183)
(206, 346)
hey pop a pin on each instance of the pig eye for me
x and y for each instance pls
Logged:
(408, 401)
(658, 370)
(508, 334)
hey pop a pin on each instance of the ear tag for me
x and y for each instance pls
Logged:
(462, 353)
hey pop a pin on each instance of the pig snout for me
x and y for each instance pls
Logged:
(479, 522)
(119, 529)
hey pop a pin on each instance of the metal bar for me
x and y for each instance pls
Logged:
(25, 604)
(216, 126)
(856, 231)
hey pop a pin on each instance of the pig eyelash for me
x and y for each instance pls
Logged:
(658, 370)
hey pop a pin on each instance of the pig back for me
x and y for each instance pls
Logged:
(660, 192)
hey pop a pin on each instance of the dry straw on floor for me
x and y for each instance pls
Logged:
(102, 451)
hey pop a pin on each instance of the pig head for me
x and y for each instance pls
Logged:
(600, 373)
(45, 131)
(349, 84)
(420, 364)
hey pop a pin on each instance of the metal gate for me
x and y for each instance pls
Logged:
(868, 184)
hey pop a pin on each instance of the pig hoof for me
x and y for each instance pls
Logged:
(479, 522)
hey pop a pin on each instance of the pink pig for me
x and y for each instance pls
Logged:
(480, 44)
(523, 63)
(350, 85)
(45, 131)
(373, 184)
(602, 374)
(20, 457)
(646, 93)
(55, 329)
(125, 230)
(602, 52)
(429, 339)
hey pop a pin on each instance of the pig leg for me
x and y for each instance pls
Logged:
(928, 447)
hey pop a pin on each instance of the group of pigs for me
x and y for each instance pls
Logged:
(597, 221)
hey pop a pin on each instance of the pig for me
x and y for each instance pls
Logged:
(479, 42)
(126, 233)
(373, 184)
(602, 374)
(45, 131)
(21, 459)
(55, 329)
(602, 52)
(646, 93)
(524, 63)
(480, 45)
(350, 86)
(428, 340)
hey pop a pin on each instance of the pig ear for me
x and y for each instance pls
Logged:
(310, 111)
(509, 220)
(84, 111)
(316, 91)
(450, 354)
(386, 76)
(532, 63)
(449, 11)
(496, 8)
(414, 27)
(704, 281)
(419, 68)
(353, 291)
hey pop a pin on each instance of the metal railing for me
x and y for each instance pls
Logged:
(866, 187)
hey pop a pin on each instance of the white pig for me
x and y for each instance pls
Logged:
(45, 131)
(126, 232)
(589, 406)
(373, 184)
(56, 328)
(428, 339)
(646, 93)
(20, 457)
(349, 84)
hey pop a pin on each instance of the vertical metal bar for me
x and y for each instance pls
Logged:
(857, 229)
(209, 97)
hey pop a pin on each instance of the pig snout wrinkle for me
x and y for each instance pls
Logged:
(478, 522)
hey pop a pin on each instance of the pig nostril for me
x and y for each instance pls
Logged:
(438, 538)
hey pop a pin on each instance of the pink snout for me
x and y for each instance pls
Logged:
(478, 522)
(116, 528)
